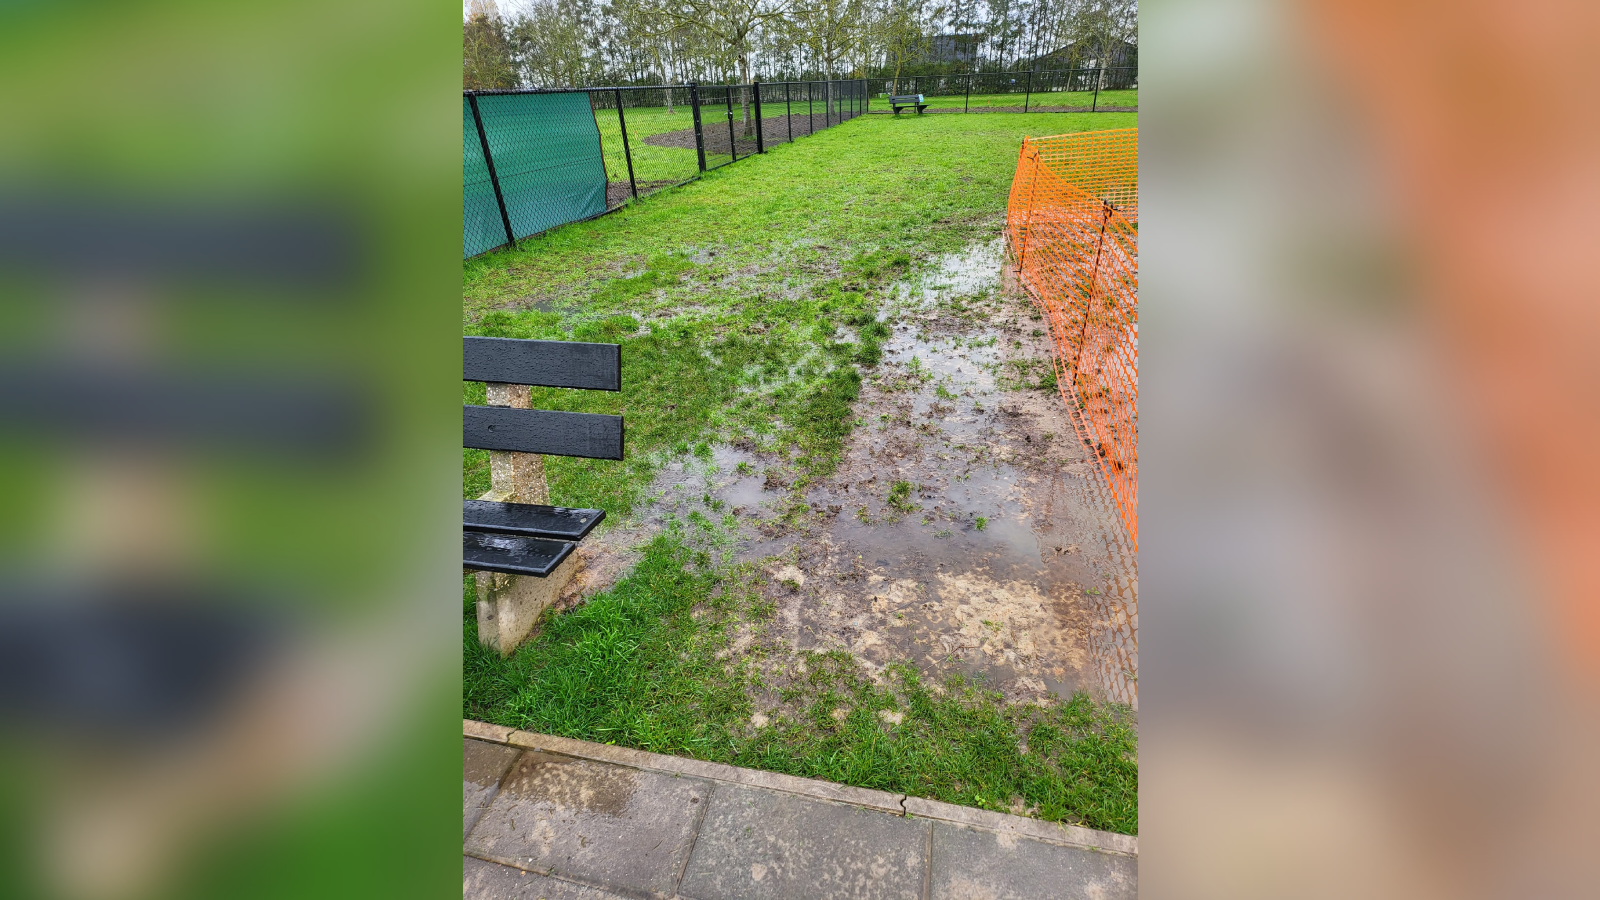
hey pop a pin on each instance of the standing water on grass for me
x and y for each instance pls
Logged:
(967, 528)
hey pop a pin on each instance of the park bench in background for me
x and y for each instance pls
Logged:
(511, 537)
(906, 101)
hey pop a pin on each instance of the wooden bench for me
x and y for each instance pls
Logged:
(906, 101)
(520, 538)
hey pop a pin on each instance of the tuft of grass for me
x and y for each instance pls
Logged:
(981, 523)
(900, 496)
(872, 335)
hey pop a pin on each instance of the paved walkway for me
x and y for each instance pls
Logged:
(548, 818)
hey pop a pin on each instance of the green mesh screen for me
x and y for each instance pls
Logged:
(546, 151)
(481, 228)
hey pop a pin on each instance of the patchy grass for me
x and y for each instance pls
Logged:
(648, 664)
(741, 314)
(748, 306)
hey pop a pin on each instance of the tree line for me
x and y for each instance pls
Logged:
(585, 43)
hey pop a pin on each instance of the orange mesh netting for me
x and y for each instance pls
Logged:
(1072, 224)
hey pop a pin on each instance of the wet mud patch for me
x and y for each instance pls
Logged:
(965, 530)
(620, 192)
(774, 130)
(711, 493)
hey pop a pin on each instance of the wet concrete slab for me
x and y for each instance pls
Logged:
(757, 844)
(491, 881)
(482, 766)
(969, 864)
(593, 828)
(593, 823)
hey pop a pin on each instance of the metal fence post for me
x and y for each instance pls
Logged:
(761, 146)
(967, 102)
(1027, 93)
(788, 111)
(626, 153)
(699, 136)
(1098, 74)
(494, 179)
(1027, 225)
(811, 111)
(733, 145)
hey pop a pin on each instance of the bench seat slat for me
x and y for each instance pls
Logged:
(588, 435)
(565, 364)
(529, 520)
(512, 553)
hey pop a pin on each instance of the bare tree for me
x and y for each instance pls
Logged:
(1107, 26)
(486, 53)
(829, 30)
(730, 25)
(902, 32)
(557, 44)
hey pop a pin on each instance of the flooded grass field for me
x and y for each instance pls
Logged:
(857, 537)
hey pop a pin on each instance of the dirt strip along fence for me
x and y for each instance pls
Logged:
(535, 159)
(1072, 230)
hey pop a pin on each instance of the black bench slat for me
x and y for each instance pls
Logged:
(512, 554)
(529, 519)
(588, 435)
(566, 364)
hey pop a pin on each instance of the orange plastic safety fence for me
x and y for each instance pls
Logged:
(1072, 225)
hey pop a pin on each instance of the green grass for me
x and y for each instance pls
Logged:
(650, 163)
(653, 165)
(747, 305)
(900, 496)
(1044, 98)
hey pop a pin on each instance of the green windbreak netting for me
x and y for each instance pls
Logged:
(546, 151)
(481, 228)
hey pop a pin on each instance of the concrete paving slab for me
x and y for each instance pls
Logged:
(656, 762)
(599, 824)
(491, 881)
(969, 864)
(1038, 829)
(758, 844)
(482, 767)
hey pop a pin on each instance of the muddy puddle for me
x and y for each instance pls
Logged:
(966, 529)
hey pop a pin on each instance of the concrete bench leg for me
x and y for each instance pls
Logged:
(509, 606)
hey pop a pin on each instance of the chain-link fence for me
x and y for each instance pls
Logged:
(532, 160)
(1105, 89)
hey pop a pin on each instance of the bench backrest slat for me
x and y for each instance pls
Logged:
(589, 435)
(566, 364)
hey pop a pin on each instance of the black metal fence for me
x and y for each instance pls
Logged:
(643, 139)
(1104, 89)
(536, 159)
